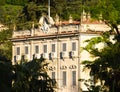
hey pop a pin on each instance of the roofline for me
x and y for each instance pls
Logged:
(54, 36)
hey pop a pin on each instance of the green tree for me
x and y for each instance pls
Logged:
(2, 2)
(65, 8)
(25, 76)
(32, 77)
(16, 2)
(5, 45)
(5, 76)
(9, 14)
(29, 15)
(21, 13)
(110, 11)
(106, 66)
(73, 8)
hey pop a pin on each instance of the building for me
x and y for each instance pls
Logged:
(60, 44)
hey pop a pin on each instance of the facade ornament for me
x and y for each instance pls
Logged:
(72, 67)
(83, 16)
(57, 20)
(45, 23)
(70, 19)
(52, 68)
(33, 25)
(63, 67)
(100, 18)
(88, 16)
(14, 27)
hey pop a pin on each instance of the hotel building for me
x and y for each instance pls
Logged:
(60, 43)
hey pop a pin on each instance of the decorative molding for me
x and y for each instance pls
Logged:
(51, 68)
(63, 67)
(72, 67)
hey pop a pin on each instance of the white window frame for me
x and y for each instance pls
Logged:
(73, 46)
(53, 75)
(53, 47)
(36, 49)
(45, 48)
(74, 78)
(64, 77)
(26, 50)
(64, 46)
(17, 50)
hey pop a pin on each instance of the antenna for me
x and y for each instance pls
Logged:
(49, 8)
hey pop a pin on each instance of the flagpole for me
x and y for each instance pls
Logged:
(49, 8)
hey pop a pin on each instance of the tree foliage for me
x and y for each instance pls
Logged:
(105, 68)
(32, 77)
(5, 45)
(16, 2)
(63, 8)
(5, 76)
(110, 11)
(25, 77)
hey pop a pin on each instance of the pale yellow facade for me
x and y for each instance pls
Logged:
(61, 46)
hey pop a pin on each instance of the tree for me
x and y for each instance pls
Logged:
(65, 8)
(5, 45)
(17, 2)
(106, 66)
(5, 76)
(25, 76)
(32, 77)
(21, 14)
(9, 14)
(110, 11)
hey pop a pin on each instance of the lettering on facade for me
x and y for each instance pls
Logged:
(72, 67)
(52, 68)
(63, 67)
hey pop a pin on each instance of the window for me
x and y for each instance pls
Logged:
(45, 48)
(53, 47)
(15, 59)
(53, 75)
(64, 78)
(26, 49)
(73, 78)
(36, 49)
(64, 47)
(18, 50)
(74, 46)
